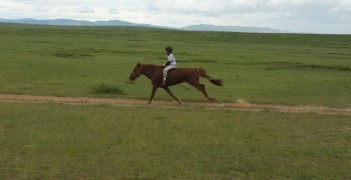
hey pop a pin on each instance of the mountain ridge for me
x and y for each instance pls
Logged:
(209, 27)
(199, 27)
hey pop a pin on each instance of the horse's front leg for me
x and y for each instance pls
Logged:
(171, 94)
(154, 88)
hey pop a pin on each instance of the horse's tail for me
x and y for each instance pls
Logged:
(203, 73)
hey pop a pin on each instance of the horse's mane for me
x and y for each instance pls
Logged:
(153, 66)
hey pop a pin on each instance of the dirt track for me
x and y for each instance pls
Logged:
(239, 105)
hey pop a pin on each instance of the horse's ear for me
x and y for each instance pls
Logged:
(138, 64)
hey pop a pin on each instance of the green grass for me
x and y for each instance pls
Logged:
(258, 68)
(55, 141)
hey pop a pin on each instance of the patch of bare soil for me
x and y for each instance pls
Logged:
(239, 105)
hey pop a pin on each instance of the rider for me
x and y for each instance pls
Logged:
(170, 64)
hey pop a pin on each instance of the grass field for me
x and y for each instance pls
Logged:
(61, 141)
(257, 68)
(50, 141)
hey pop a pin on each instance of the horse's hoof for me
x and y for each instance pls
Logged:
(180, 102)
(211, 99)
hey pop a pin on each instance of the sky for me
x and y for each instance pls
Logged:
(302, 16)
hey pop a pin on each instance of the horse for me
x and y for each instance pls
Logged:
(175, 76)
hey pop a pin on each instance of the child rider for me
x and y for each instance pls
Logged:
(170, 64)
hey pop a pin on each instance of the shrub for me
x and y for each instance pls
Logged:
(107, 89)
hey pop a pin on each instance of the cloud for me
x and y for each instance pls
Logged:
(87, 10)
(331, 16)
(43, 9)
(113, 11)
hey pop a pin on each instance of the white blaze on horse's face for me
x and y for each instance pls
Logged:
(136, 72)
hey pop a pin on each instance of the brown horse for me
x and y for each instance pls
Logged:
(175, 76)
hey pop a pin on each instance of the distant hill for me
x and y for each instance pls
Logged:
(70, 22)
(200, 27)
(206, 27)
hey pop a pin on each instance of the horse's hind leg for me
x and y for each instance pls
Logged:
(201, 88)
(171, 94)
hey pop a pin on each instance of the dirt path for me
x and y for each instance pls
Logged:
(239, 105)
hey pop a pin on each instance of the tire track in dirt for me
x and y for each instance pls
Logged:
(239, 105)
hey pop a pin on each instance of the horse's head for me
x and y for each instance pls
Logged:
(136, 72)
